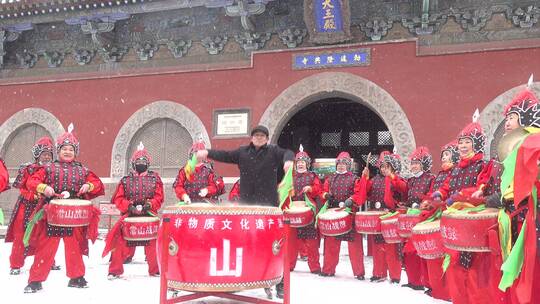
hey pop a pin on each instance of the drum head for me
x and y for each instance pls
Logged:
(71, 202)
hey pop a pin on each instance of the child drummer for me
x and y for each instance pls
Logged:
(63, 175)
(140, 193)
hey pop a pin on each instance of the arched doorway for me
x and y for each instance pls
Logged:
(331, 125)
(328, 85)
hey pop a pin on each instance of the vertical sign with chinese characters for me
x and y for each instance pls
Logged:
(328, 21)
(328, 16)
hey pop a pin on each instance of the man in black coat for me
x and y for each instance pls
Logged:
(258, 163)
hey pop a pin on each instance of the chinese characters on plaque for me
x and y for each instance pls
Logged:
(358, 57)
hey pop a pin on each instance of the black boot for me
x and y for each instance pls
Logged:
(279, 290)
(128, 260)
(375, 279)
(33, 287)
(394, 281)
(15, 271)
(79, 282)
(360, 277)
(428, 292)
(55, 267)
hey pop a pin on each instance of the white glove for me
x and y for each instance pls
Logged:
(203, 192)
(49, 191)
(139, 208)
(377, 205)
(341, 204)
(186, 199)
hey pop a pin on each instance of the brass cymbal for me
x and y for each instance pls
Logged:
(509, 141)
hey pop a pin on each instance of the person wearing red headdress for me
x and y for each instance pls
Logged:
(438, 288)
(199, 185)
(42, 151)
(4, 176)
(467, 279)
(138, 194)
(384, 192)
(522, 111)
(305, 183)
(63, 175)
(341, 190)
(418, 185)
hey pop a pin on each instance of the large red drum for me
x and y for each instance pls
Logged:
(389, 229)
(140, 228)
(427, 240)
(223, 248)
(406, 222)
(334, 222)
(368, 222)
(299, 214)
(468, 231)
(69, 212)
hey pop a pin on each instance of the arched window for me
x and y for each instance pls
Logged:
(18, 147)
(168, 143)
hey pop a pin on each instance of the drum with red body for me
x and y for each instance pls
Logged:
(406, 222)
(427, 240)
(299, 214)
(368, 222)
(223, 248)
(140, 228)
(468, 231)
(389, 229)
(334, 222)
(69, 212)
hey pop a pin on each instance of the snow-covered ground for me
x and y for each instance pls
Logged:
(137, 287)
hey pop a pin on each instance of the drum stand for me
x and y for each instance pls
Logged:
(224, 295)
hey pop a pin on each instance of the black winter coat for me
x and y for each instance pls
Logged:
(258, 171)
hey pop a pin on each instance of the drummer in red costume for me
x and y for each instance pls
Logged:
(305, 182)
(384, 191)
(42, 151)
(438, 288)
(138, 194)
(341, 189)
(418, 185)
(522, 111)
(202, 184)
(467, 279)
(50, 181)
(4, 177)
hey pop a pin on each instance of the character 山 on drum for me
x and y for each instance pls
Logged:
(301, 213)
(138, 196)
(69, 219)
(242, 247)
(340, 190)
